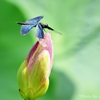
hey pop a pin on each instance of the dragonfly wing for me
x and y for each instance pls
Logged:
(29, 24)
(39, 31)
(34, 21)
(25, 29)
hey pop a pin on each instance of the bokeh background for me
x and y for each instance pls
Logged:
(76, 69)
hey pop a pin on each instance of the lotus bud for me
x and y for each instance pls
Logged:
(33, 74)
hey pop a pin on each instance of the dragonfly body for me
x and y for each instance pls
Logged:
(46, 26)
(34, 22)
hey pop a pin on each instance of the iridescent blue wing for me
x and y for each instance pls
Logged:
(29, 24)
(34, 21)
(25, 29)
(39, 31)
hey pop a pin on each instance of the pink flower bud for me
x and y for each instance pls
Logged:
(33, 74)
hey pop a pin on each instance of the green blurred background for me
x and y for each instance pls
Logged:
(76, 69)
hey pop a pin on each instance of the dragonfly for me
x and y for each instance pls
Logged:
(35, 22)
